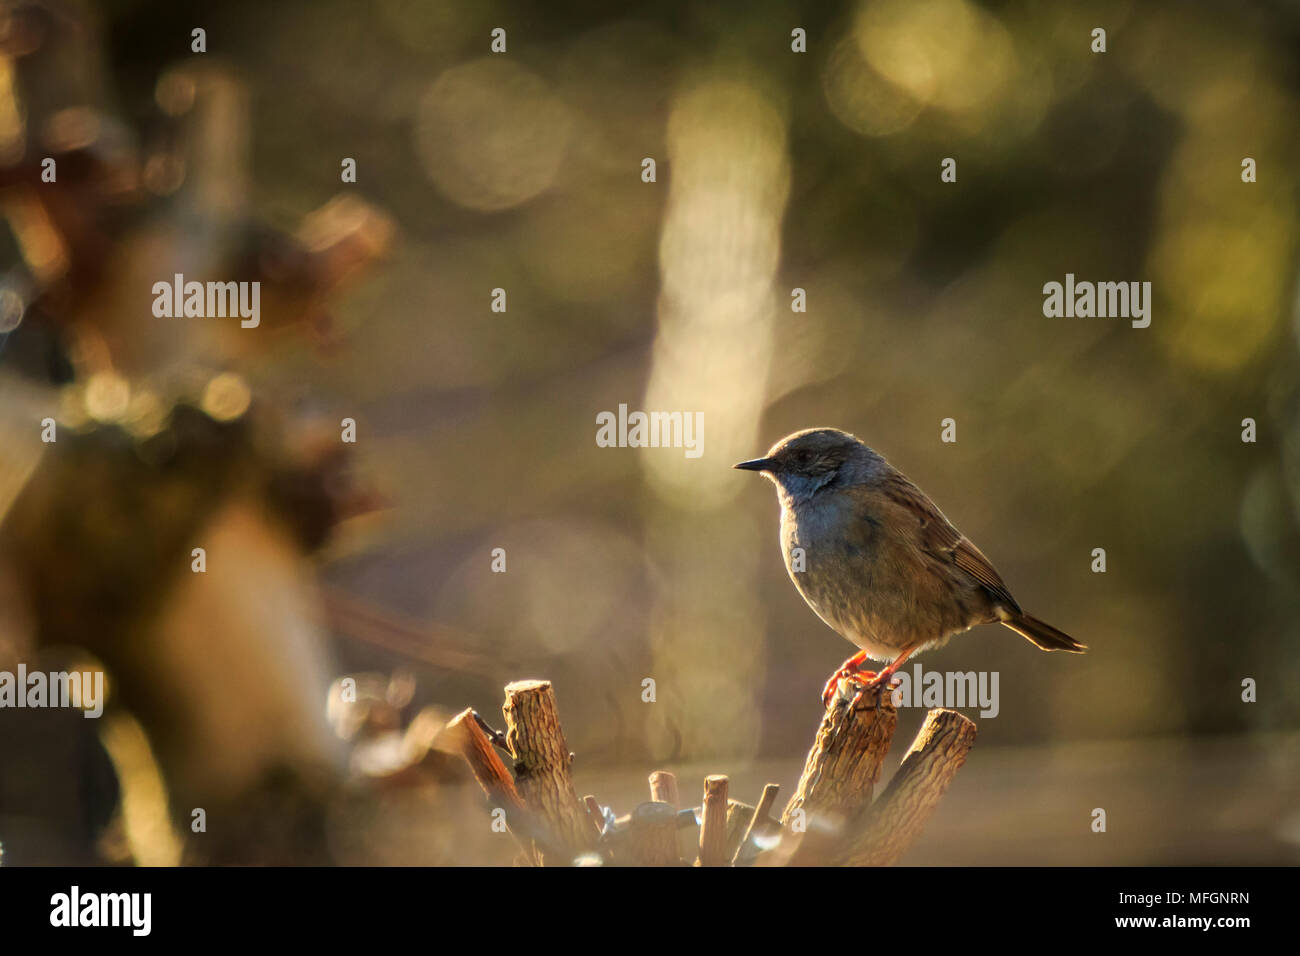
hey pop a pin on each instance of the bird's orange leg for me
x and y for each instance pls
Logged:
(884, 676)
(869, 680)
(849, 670)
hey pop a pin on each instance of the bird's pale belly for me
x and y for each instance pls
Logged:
(882, 637)
(884, 600)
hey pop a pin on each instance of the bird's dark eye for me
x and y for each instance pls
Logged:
(803, 457)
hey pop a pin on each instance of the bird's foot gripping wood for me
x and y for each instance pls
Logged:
(850, 671)
(868, 681)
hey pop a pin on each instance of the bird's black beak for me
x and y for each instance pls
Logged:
(755, 464)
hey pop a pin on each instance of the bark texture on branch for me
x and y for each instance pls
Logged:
(830, 820)
(465, 735)
(650, 838)
(844, 763)
(542, 774)
(759, 823)
(713, 829)
(893, 823)
(739, 817)
(663, 788)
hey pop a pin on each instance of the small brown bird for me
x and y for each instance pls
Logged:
(877, 561)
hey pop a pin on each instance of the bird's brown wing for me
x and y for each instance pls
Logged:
(939, 538)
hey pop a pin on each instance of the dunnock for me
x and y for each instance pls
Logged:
(880, 563)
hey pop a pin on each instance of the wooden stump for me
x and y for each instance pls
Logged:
(894, 822)
(663, 788)
(829, 820)
(713, 827)
(844, 763)
(542, 774)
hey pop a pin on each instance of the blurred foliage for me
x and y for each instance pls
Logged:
(924, 302)
(821, 171)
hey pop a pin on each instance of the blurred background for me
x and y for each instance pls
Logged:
(475, 429)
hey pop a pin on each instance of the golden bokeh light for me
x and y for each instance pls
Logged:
(491, 134)
(107, 396)
(946, 53)
(226, 397)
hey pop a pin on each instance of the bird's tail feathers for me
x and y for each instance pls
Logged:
(1043, 635)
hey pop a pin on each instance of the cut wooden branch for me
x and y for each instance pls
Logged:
(830, 820)
(739, 817)
(844, 763)
(759, 823)
(464, 734)
(542, 772)
(663, 788)
(713, 828)
(650, 838)
(895, 821)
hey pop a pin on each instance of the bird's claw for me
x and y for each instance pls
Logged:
(867, 682)
(866, 679)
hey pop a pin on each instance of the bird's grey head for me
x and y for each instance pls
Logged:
(816, 460)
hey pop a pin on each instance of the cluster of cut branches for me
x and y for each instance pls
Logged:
(831, 819)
